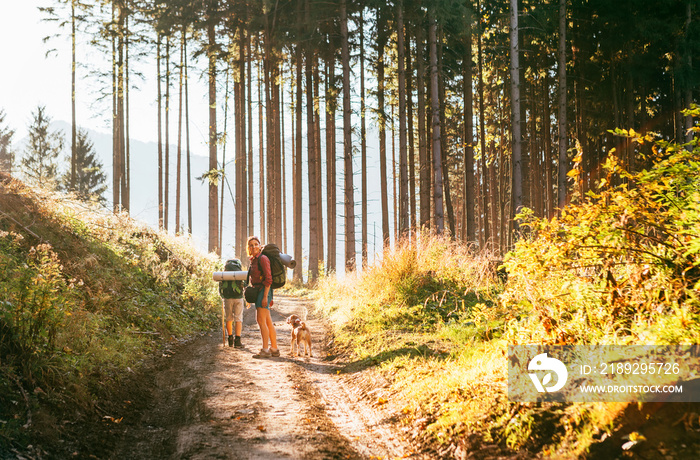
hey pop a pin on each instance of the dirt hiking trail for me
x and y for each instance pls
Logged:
(206, 401)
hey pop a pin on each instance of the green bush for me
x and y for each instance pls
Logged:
(621, 264)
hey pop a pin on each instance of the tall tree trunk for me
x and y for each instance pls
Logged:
(394, 171)
(515, 107)
(224, 144)
(563, 147)
(250, 181)
(278, 149)
(688, 87)
(411, 139)
(311, 152)
(548, 171)
(403, 153)
(160, 135)
(319, 156)
(178, 169)
(347, 144)
(284, 170)
(298, 276)
(166, 177)
(483, 202)
(437, 153)
(74, 153)
(121, 28)
(447, 196)
(126, 183)
(115, 126)
(213, 161)
(120, 102)
(363, 142)
(187, 144)
(383, 177)
(425, 208)
(331, 102)
(241, 164)
(261, 151)
(468, 210)
(493, 198)
(271, 204)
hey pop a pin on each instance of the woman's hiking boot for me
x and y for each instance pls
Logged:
(237, 342)
(230, 340)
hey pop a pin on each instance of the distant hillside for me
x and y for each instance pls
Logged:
(144, 182)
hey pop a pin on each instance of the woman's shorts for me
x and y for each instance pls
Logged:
(234, 309)
(258, 303)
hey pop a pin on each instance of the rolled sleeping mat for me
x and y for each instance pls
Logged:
(230, 276)
(288, 261)
(243, 275)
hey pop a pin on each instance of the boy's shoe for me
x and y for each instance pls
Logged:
(230, 340)
(237, 342)
(275, 353)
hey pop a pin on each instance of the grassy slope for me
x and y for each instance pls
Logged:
(84, 295)
(620, 267)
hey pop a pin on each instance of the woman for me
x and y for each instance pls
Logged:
(261, 276)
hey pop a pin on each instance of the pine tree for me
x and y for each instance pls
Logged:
(90, 179)
(44, 146)
(7, 154)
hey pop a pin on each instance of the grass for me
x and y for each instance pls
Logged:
(619, 266)
(84, 296)
(444, 352)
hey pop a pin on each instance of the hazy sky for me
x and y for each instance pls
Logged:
(29, 78)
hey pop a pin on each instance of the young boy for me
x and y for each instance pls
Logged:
(232, 294)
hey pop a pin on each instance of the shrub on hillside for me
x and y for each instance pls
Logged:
(623, 266)
(83, 295)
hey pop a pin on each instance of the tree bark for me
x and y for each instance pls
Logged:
(261, 153)
(251, 182)
(178, 169)
(241, 164)
(425, 208)
(363, 143)
(298, 276)
(319, 156)
(187, 143)
(166, 177)
(403, 153)
(331, 103)
(563, 147)
(311, 152)
(483, 201)
(381, 118)
(347, 144)
(515, 108)
(213, 187)
(468, 209)
(160, 134)
(436, 138)
(411, 140)
(74, 153)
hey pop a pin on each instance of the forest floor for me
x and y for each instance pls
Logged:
(202, 400)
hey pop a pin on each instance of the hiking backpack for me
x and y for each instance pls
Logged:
(279, 271)
(231, 289)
